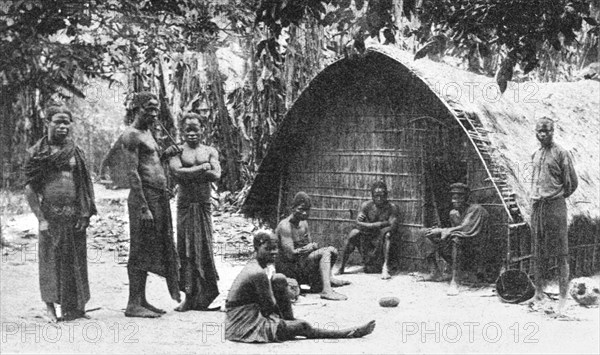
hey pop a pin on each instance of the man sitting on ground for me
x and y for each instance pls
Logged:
(301, 258)
(377, 223)
(259, 308)
(469, 227)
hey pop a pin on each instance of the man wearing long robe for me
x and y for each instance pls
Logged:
(56, 172)
(554, 179)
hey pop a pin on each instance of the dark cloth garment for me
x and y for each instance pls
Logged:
(549, 233)
(63, 260)
(42, 162)
(553, 173)
(245, 323)
(62, 250)
(194, 245)
(472, 236)
(305, 269)
(153, 249)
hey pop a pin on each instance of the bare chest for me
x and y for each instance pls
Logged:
(377, 214)
(192, 157)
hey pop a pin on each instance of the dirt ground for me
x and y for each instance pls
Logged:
(426, 321)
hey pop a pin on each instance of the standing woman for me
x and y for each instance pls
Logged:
(61, 195)
(194, 169)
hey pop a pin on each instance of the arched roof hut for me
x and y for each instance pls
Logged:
(419, 126)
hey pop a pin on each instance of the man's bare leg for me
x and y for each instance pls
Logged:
(280, 291)
(51, 312)
(325, 262)
(303, 328)
(144, 302)
(186, 305)
(348, 249)
(385, 274)
(137, 280)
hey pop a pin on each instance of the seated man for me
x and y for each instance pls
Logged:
(377, 222)
(258, 306)
(302, 259)
(458, 245)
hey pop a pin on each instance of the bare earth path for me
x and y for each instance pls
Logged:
(426, 321)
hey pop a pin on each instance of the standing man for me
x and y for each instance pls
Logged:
(57, 174)
(553, 180)
(460, 244)
(377, 222)
(152, 248)
(194, 169)
(301, 258)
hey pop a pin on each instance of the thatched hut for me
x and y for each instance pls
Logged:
(419, 126)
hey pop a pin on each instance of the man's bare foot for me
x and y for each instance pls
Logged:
(361, 331)
(184, 306)
(437, 277)
(72, 315)
(385, 275)
(339, 272)
(152, 308)
(51, 314)
(333, 296)
(452, 289)
(339, 283)
(140, 312)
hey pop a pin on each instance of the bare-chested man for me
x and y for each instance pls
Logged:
(152, 247)
(377, 223)
(301, 258)
(194, 169)
(258, 306)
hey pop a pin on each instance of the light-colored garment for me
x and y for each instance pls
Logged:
(553, 173)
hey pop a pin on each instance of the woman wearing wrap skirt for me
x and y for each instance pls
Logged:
(61, 195)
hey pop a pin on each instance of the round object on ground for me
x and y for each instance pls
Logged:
(514, 286)
(389, 301)
(585, 291)
(293, 289)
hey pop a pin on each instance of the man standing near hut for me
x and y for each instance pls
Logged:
(152, 248)
(460, 244)
(553, 180)
(377, 223)
(301, 258)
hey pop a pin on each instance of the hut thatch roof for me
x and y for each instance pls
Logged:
(508, 118)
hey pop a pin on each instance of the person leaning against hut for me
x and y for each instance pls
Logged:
(259, 308)
(152, 247)
(469, 228)
(194, 168)
(377, 224)
(301, 258)
(553, 180)
(56, 172)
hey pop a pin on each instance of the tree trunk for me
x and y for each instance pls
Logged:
(229, 139)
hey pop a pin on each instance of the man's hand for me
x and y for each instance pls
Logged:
(147, 220)
(171, 151)
(82, 224)
(433, 231)
(43, 225)
(205, 166)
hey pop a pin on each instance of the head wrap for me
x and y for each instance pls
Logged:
(301, 198)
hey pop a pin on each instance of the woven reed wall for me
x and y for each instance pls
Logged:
(364, 135)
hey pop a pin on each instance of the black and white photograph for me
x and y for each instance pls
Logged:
(300, 176)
